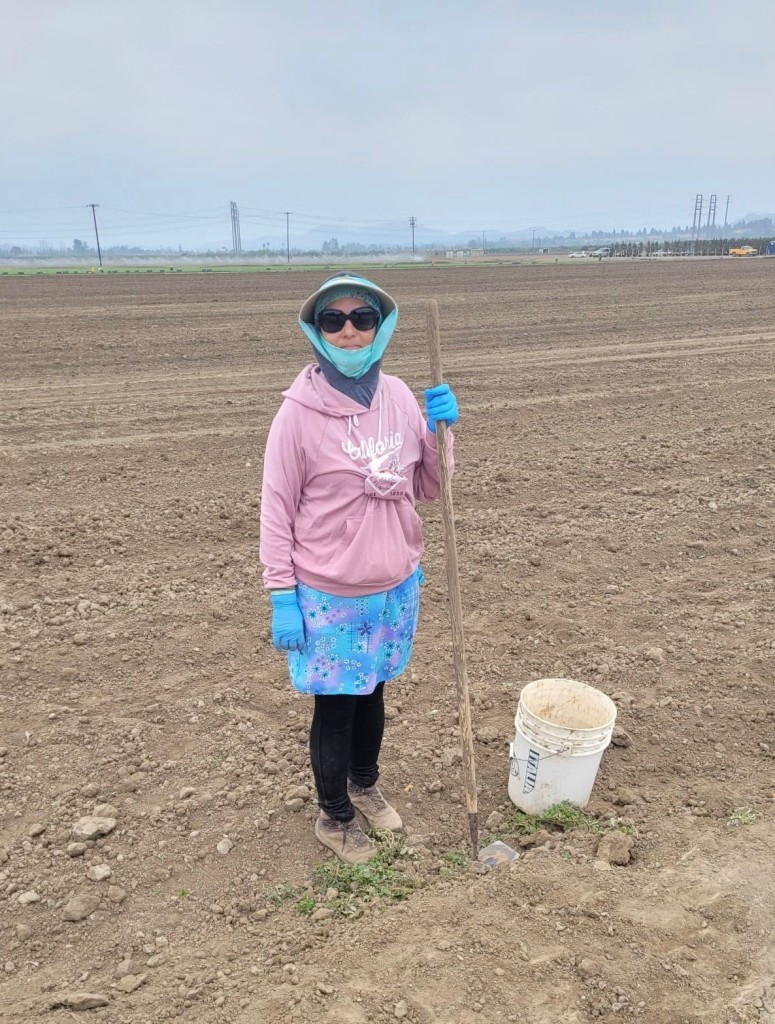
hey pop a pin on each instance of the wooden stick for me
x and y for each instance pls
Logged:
(453, 586)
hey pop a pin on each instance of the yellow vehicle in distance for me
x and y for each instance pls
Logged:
(744, 250)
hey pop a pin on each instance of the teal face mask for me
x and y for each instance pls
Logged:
(353, 362)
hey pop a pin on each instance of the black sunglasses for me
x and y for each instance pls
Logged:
(364, 318)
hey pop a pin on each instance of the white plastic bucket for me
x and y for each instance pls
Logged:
(562, 729)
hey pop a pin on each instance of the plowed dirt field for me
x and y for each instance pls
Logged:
(615, 506)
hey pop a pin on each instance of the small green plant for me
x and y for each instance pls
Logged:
(357, 884)
(741, 816)
(564, 817)
(282, 893)
(486, 840)
(629, 830)
(455, 862)
(182, 894)
(306, 904)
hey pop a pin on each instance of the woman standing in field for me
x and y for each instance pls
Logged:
(349, 453)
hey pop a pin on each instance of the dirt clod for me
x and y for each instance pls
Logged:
(615, 848)
(78, 1001)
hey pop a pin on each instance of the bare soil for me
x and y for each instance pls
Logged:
(615, 504)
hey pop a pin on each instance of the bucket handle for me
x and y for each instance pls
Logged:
(514, 760)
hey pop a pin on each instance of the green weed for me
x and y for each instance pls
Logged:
(741, 816)
(563, 817)
(629, 830)
(455, 862)
(357, 884)
(486, 840)
(282, 893)
(306, 904)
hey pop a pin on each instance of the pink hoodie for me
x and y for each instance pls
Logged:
(340, 485)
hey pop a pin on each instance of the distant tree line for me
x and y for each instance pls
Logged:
(753, 231)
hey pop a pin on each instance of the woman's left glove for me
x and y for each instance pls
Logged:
(440, 404)
(287, 622)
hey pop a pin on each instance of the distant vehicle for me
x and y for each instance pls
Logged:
(576, 255)
(603, 251)
(744, 250)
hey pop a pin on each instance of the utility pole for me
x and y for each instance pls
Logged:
(288, 235)
(697, 222)
(236, 240)
(533, 244)
(712, 214)
(484, 244)
(726, 215)
(96, 232)
(412, 222)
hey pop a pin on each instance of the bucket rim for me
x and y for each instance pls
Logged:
(575, 684)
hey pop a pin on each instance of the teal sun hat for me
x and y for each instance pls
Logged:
(352, 363)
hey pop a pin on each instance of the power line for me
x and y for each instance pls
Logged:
(318, 217)
(42, 209)
(204, 215)
(113, 226)
(205, 228)
(156, 228)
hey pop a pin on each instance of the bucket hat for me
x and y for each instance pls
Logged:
(387, 302)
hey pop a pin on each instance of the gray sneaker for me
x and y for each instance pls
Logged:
(346, 838)
(374, 807)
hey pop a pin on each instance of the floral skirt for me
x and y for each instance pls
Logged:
(354, 643)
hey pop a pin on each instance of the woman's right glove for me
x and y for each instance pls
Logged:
(287, 622)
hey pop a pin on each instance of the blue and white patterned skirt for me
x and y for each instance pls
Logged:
(354, 643)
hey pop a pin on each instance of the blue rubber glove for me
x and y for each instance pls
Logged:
(287, 622)
(440, 404)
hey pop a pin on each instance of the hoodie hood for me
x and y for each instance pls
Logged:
(312, 390)
(352, 363)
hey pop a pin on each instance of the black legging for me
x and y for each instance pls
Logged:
(345, 741)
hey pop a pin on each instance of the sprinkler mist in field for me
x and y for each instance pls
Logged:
(349, 454)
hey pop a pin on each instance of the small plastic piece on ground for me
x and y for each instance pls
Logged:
(497, 853)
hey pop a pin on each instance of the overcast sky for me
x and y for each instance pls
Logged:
(489, 115)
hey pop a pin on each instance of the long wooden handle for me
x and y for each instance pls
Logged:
(453, 586)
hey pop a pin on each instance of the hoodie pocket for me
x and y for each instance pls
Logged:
(380, 548)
